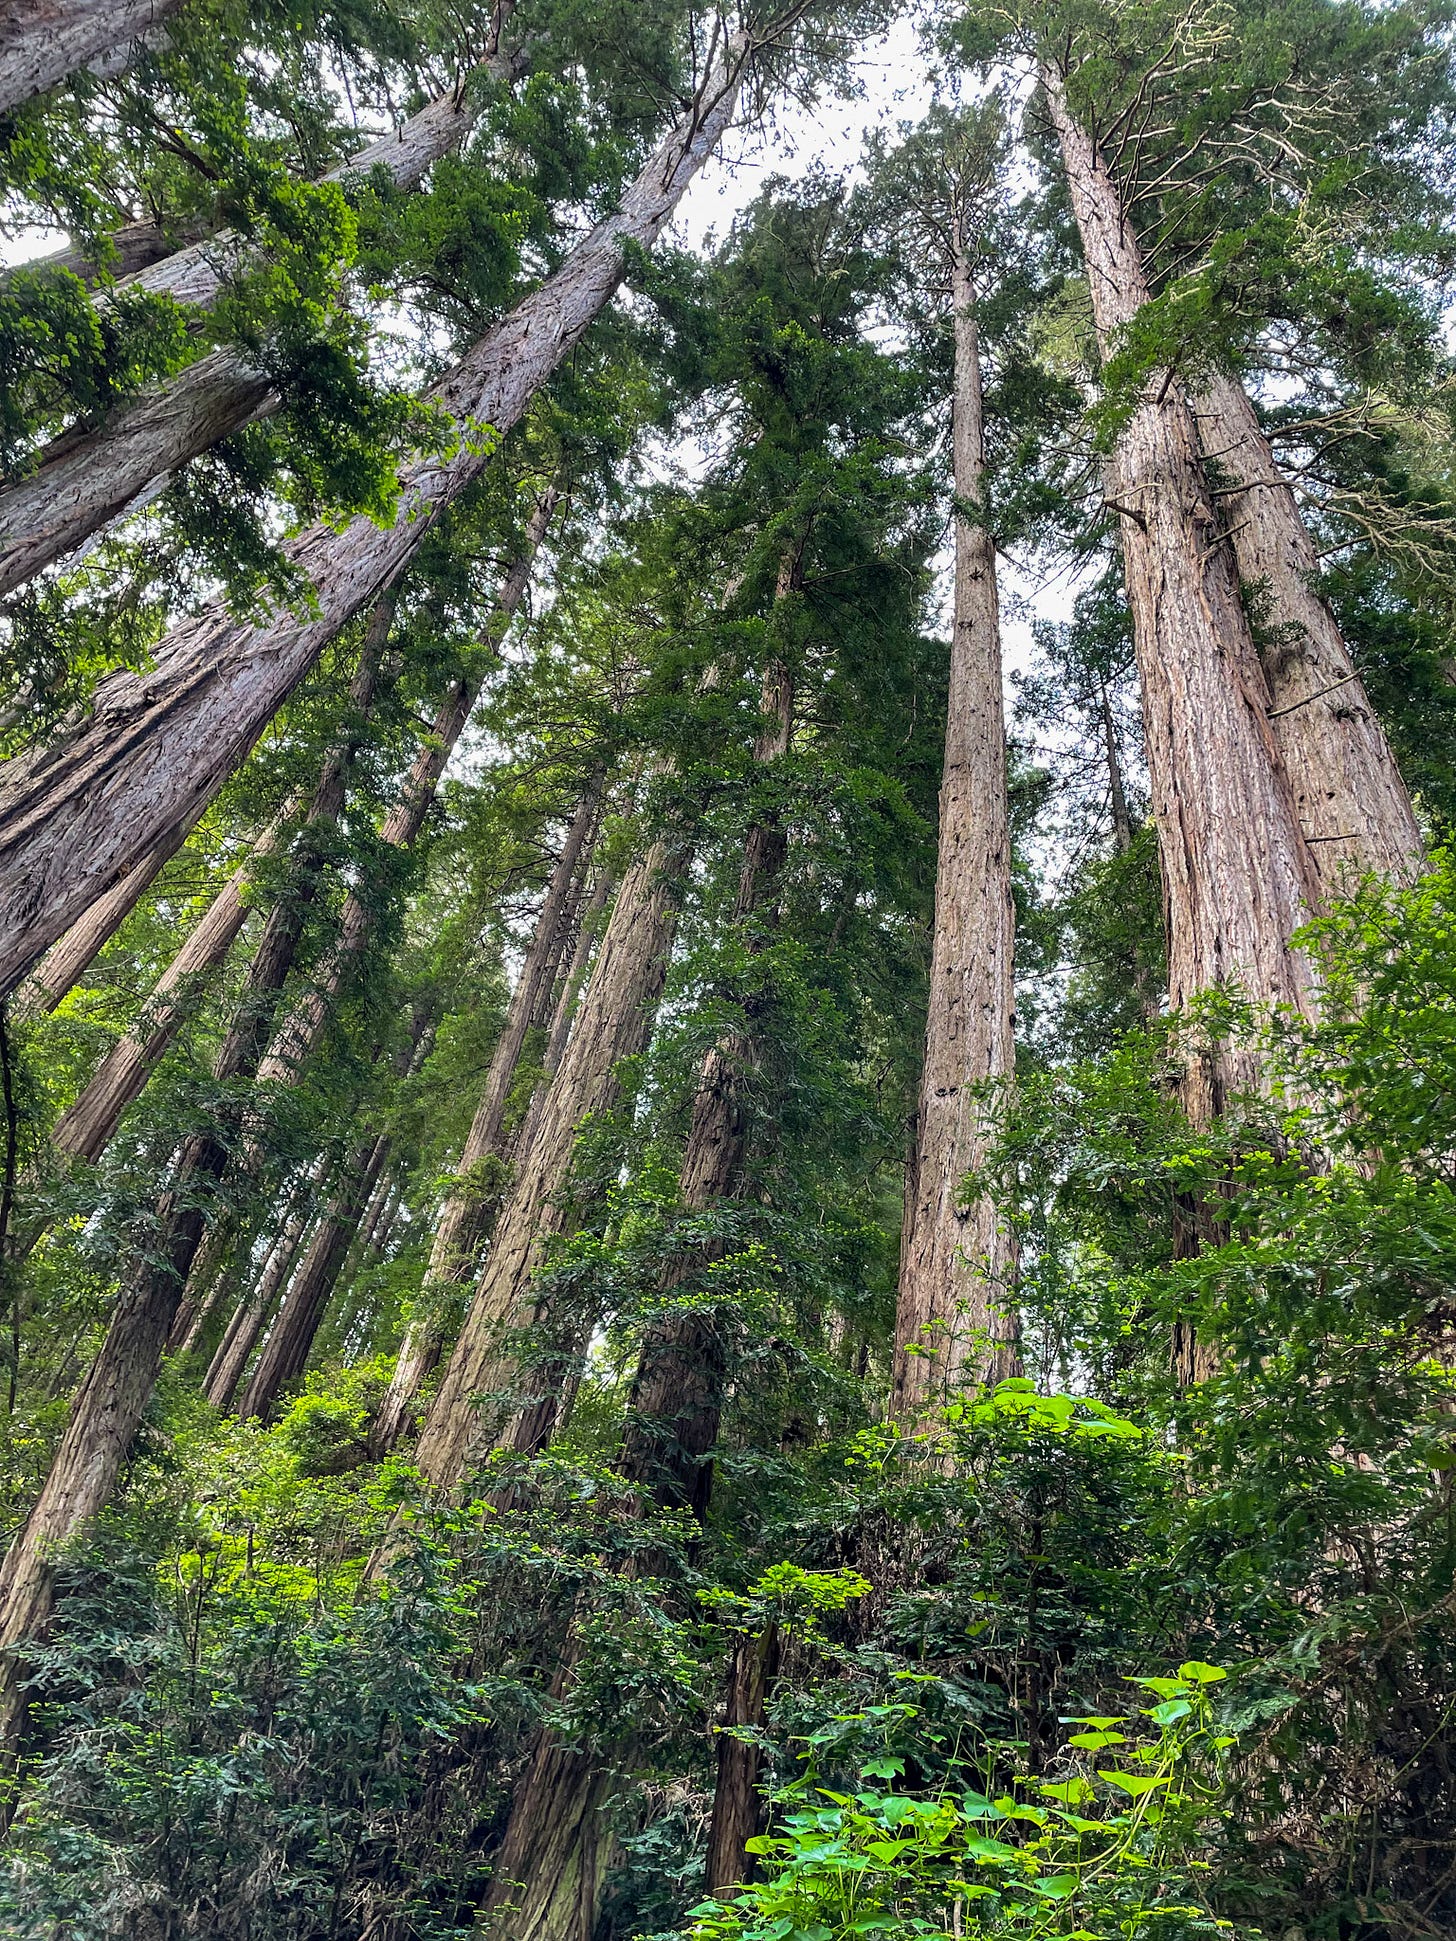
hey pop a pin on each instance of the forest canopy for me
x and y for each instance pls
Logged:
(727, 971)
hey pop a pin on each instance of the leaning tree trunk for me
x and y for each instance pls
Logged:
(957, 1257)
(43, 41)
(74, 818)
(613, 1023)
(252, 1314)
(291, 1337)
(303, 1027)
(1238, 876)
(85, 481)
(465, 1215)
(108, 1409)
(132, 247)
(89, 1124)
(555, 1830)
(67, 961)
(1352, 803)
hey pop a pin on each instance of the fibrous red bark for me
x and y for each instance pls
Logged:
(1238, 875)
(75, 817)
(956, 1257)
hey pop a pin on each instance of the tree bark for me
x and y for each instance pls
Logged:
(250, 1317)
(676, 1402)
(87, 1126)
(1238, 876)
(668, 1437)
(158, 745)
(613, 1024)
(44, 41)
(90, 1123)
(302, 1028)
(132, 247)
(65, 962)
(291, 1337)
(957, 1258)
(1352, 804)
(736, 1807)
(465, 1216)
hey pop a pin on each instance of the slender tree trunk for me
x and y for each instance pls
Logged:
(564, 1015)
(292, 1335)
(251, 1315)
(67, 961)
(88, 1125)
(1352, 803)
(465, 1215)
(615, 1017)
(1116, 787)
(303, 1027)
(160, 744)
(554, 1833)
(1238, 877)
(735, 1796)
(957, 1258)
(44, 41)
(114, 1394)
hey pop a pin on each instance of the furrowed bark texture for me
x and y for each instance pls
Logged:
(65, 962)
(555, 1829)
(87, 1126)
(43, 41)
(613, 1023)
(957, 1258)
(1238, 877)
(1352, 804)
(158, 746)
(465, 1215)
(736, 1805)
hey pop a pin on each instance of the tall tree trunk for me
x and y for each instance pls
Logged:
(676, 1402)
(1352, 803)
(615, 1017)
(1238, 877)
(74, 818)
(108, 1409)
(44, 41)
(957, 1256)
(555, 1829)
(302, 1028)
(251, 1315)
(89, 1124)
(67, 961)
(735, 1795)
(292, 1335)
(465, 1215)
(84, 481)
